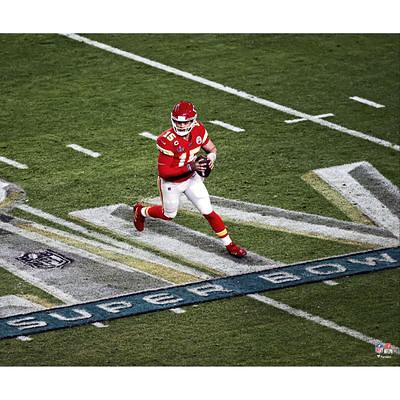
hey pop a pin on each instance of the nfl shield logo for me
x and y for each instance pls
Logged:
(46, 259)
(379, 348)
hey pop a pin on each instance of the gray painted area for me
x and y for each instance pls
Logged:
(191, 237)
(116, 244)
(122, 248)
(296, 222)
(13, 305)
(172, 238)
(380, 187)
(364, 187)
(88, 277)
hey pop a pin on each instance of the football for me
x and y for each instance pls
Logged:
(207, 171)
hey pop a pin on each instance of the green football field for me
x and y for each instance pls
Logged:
(56, 91)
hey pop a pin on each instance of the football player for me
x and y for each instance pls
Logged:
(178, 172)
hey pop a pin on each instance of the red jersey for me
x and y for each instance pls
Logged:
(175, 152)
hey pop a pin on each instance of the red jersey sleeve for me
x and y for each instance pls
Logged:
(204, 134)
(205, 137)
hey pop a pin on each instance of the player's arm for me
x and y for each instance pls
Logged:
(211, 149)
(167, 171)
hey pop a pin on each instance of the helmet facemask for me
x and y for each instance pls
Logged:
(187, 125)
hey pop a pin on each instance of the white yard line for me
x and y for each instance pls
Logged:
(318, 320)
(227, 89)
(177, 310)
(281, 306)
(24, 338)
(227, 126)
(331, 283)
(100, 325)
(367, 102)
(13, 163)
(53, 218)
(148, 135)
(293, 121)
(83, 150)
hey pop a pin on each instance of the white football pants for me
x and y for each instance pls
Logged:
(193, 188)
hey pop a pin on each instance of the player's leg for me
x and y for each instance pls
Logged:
(197, 193)
(169, 194)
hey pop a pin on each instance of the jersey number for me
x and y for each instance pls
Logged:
(189, 155)
(170, 136)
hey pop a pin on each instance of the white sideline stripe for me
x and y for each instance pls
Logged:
(148, 135)
(13, 163)
(24, 338)
(52, 218)
(100, 325)
(227, 89)
(318, 320)
(368, 102)
(178, 310)
(83, 150)
(293, 121)
(331, 283)
(227, 126)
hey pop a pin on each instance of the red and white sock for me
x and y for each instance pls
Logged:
(154, 212)
(218, 227)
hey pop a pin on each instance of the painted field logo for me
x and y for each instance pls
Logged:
(153, 300)
(47, 259)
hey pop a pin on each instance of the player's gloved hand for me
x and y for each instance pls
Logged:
(198, 165)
